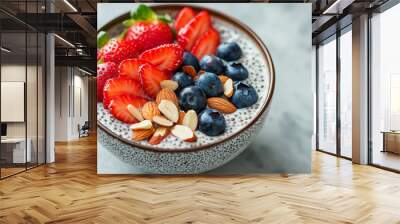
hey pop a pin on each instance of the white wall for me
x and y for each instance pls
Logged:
(70, 83)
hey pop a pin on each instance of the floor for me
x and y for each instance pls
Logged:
(387, 159)
(13, 170)
(70, 191)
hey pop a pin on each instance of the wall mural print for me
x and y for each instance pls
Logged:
(182, 89)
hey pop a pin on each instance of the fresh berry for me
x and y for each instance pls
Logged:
(118, 50)
(105, 71)
(236, 71)
(119, 104)
(244, 95)
(151, 78)
(210, 84)
(147, 35)
(164, 57)
(212, 122)
(130, 68)
(206, 44)
(190, 60)
(121, 86)
(183, 18)
(229, 51)
(183, 80)
(192, 98)
(188, 35)
(210, 63)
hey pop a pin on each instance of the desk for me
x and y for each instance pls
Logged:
(13, 150)
(391, 141)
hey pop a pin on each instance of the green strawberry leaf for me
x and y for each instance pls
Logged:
(102, 39)
(143, 13)
(100, 61)
(128, 22)
(165, 18)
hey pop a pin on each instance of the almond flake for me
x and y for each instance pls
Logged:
(169, 110)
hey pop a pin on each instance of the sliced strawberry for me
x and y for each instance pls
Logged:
(206, 44)
(165, 57)
(117, 50)
(183, 18)
(188, 35)
(130, 68)
(146, 35)
(118, 107)
(121, 86)
(105, 71)
(151, 78)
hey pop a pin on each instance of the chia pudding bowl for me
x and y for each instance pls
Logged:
(174, 156)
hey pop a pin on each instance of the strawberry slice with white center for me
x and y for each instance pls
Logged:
(119, 86)
(188, 35)
(183, 18)
(119, 107)
(207, 44)
(105, 71)
(165, 57)
(130, 68)
(151, 78)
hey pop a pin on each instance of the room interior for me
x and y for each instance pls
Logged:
(48, 93)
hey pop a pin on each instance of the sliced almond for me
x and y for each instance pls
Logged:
(135, 112)
(201, 72)
(167, 94)
(189, 70)
(169, 84)
(228, 88)
(184, 133)
(162, 121)
(140, 135)
(146, 124)
(190, 119)
(160, 134)
(181, 116)
(221, 105)
(223, 78)
(150, 109)
(169, 110)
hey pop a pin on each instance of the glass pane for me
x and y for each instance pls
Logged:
(41, 98)
(346, 94)
(327, 96)
(31, 97)
(13, 85)
(386, 89)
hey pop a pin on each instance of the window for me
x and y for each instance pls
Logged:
(327, 96)
(385, 89)
(346, 93)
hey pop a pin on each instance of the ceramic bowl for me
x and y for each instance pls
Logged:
(174, 156)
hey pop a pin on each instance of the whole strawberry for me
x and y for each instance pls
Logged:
(148, 35)
(146, 29)
(105, 71)
(117, 50)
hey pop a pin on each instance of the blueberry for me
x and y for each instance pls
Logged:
(210, 63)
(190, 59)
(192, 97)
(210, 84)
(236, 71)
(244, 95)
(229, 51)
(183, 80)
(212, 122)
